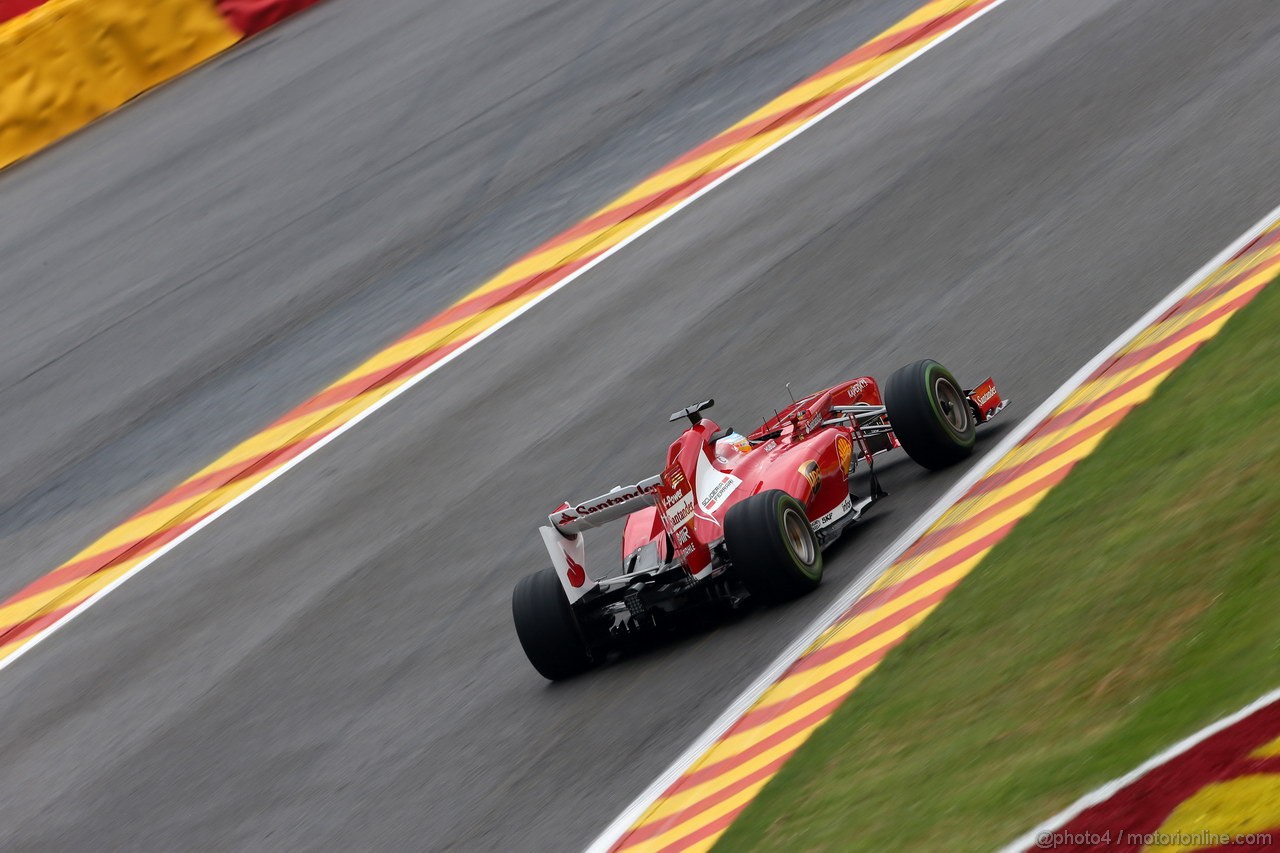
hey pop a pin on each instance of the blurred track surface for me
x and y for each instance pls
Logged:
(333, 664)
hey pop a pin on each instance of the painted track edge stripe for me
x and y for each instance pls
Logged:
(619, 827)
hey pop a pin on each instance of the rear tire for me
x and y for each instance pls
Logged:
(930, 414)
(547, 628)
(772, 546)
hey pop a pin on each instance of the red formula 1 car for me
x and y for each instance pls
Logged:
(734, 517)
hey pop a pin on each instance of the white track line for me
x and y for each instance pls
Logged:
(416, 378)
(1105, 792)
(615, 830)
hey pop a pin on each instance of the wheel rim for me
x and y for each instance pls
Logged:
(799, 535)
(951, 403)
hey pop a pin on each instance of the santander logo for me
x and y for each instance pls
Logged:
(577, 575)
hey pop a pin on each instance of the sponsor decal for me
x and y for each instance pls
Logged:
(717, 493)
(713, 486)
(987, 400)
(678, 509)
(617, 502)
(809, 471)
(612, 499)
(839, 512)
(569, 558)
(770, 445)
(844, 450)
(856, 389)
(676, 505)
(576, 574)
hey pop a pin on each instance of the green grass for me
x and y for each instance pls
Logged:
(1135, 605)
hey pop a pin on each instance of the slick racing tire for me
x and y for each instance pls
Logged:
(930, 414)
(547, 628)
(772, 546)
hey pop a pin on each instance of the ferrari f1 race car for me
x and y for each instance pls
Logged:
(734, 517)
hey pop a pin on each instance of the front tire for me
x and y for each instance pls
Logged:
(772, 546)
(930, 414)
(547, 628)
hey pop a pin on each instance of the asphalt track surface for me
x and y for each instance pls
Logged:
(332, 664)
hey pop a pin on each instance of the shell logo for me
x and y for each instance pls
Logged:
(809, 471)
(844, 450)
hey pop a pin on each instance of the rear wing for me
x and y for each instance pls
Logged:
(564, 542)
(571, 519)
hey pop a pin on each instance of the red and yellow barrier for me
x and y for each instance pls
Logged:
(64, 63)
